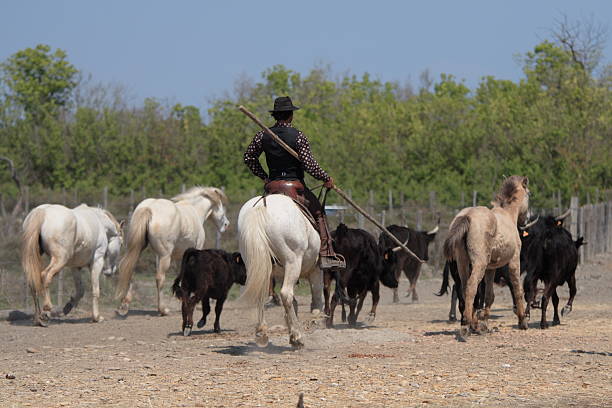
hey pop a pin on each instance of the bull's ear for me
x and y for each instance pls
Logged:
(238, 258)
(525, 233)
(122, 224)
(386, 255)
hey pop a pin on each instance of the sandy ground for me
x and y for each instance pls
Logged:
(407, 357)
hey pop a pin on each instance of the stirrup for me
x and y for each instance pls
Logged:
(332, 261)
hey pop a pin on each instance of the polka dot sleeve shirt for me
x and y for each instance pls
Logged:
(309, 163)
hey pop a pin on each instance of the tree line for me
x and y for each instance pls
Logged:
(554, 125)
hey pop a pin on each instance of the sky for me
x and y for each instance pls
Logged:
(191, 52)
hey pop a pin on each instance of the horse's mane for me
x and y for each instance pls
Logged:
(215, 194)
(113, 220)
(507, 192)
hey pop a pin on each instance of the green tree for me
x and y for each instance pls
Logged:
(39, 80)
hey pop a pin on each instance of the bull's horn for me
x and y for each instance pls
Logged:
(564, 215)
(397, 248)
(529, 224)
(434, 231)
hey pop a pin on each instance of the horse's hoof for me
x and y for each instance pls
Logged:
(566, 310)
(483, 328)
(296, 342)
(556, 322)
(45, 315)
(187, 332)
(201, 323)
(523, 324)
(452, 318)
(164, 312)
(395, 298)
(463, 334)
(40, 322)
(329, 323)
(371, 318)
(123, 310)
(543, 325)
(97, 319)
(261, 339)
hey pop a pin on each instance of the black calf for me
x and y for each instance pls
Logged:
(206, 274)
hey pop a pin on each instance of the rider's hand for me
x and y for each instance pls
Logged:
(329, 183)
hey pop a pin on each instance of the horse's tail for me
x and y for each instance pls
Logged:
(257, 254)
(455, 241)
(183, 274)
(445, 281)
(136, 242)
(31, 251)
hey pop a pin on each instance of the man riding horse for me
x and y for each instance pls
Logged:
(286, 173)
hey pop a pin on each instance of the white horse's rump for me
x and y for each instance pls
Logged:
(170, 227)
(278, 231)
(81, 237)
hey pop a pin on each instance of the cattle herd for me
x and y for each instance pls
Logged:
(548, 254)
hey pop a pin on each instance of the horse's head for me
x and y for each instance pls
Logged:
(113, 250)
(218, 200)
(523, 193)
(515, 193)
(219, 217)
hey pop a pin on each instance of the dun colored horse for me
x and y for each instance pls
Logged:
(482, 239)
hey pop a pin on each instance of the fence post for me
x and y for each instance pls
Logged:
(75, 196)
(574, 215)
(581, 232)
(360, 220)
(474, 198)
(131, 200)
(462, 199)
(183, 188)
(2, 209)
(419, 219)
(26, 198)
(383, 217)
(105, 197)
(432, 201)
(390, 200)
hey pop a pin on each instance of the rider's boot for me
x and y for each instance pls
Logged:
(327, 257)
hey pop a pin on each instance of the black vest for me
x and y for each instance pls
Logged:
(281, 164)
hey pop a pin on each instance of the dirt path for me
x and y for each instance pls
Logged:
(408, 357)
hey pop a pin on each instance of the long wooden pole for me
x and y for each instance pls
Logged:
(337, 189)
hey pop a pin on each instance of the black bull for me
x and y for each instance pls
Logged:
(398, 261)
(364, 270)
(550, 255)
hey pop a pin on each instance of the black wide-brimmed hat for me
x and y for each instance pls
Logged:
(283, 104)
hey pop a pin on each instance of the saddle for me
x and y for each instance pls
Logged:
(293, 189)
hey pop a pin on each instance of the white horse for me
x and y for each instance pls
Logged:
(170, 227)
(82, 237)
(276, 239)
